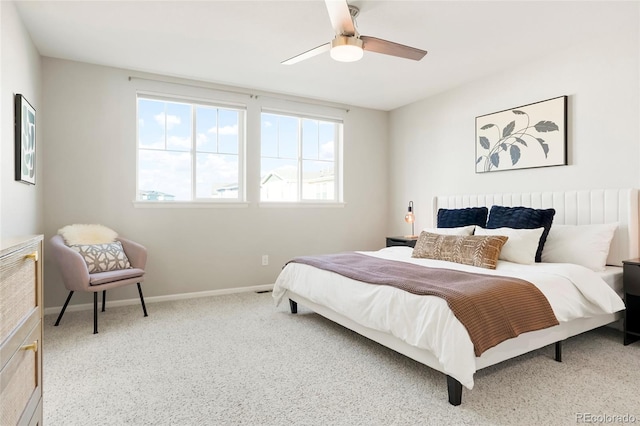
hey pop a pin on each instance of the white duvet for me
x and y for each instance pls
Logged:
(426, 321)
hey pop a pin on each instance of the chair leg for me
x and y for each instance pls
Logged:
(144, 308)
(64, 308)
(95, 312)
(104, 297)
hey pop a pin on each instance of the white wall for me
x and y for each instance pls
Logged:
(91, 170)
(20, 72)
(432, 149)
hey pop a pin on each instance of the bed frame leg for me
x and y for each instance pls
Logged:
(294, 306)
(559, 351)
(454, 388)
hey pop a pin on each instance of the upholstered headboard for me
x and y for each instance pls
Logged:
(572, 208)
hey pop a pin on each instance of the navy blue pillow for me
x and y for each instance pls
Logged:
(454, 218)
(522, 218)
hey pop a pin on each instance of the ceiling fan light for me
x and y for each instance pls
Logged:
(346, 49)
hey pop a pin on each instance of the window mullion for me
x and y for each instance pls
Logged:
(300, 196)
(193, 152)
(318, 138)
(240, 150)
(166, 106)
(278, 139)
(217, 131)
(337, 174)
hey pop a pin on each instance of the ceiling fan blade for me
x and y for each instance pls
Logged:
(340, 17)
(308, 54)
(378, 45)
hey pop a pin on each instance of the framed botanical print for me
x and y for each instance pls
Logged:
(527, 136)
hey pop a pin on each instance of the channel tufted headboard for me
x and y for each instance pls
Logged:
(581, 207)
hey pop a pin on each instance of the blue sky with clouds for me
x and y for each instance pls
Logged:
(165, 132)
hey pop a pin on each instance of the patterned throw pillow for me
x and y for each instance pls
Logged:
(103, 257)
(474, 250)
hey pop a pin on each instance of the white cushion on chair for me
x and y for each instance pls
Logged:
(111, 277)
(80, 234)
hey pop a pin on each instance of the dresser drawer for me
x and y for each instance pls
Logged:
(21, 380)
(18, 287)
(21, 331)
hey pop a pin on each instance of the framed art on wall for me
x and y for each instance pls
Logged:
(528, 136)
(25, 141)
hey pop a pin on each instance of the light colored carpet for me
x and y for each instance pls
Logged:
(237, 359)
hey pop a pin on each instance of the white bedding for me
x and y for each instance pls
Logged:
(612, 275)
(426, 321)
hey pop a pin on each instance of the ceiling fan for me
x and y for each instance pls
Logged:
(348, 45)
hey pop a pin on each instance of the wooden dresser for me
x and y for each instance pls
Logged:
(21, 313)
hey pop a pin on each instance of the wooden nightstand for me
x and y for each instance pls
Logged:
(631, 288)
(402, 241)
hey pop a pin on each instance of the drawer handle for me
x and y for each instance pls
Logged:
(32, 347)
(33, 256)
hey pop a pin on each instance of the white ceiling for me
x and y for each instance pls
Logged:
(242, 43)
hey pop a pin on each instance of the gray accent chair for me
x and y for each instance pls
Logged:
(76, 276)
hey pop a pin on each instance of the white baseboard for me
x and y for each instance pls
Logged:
(155, 299)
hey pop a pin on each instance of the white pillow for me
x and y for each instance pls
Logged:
(586, 245)
(462, 230)
(521, 246)
(80, 234)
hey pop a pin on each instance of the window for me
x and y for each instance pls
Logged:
(299, 158)
(189, 151)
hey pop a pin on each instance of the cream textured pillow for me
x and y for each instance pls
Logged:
(87, 234)
(586, 245)
(521, 246)
(475, 250)
(103, 257)
(460, 230)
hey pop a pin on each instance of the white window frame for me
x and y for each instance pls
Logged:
(338, 164)
(240, 201)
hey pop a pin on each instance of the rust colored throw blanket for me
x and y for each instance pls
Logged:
(492, 308)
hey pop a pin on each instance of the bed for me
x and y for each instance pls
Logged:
(435, 338)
